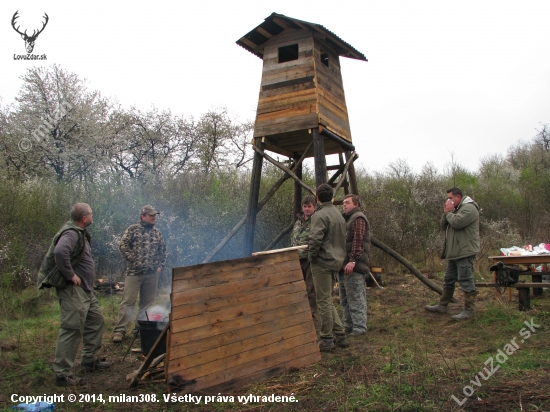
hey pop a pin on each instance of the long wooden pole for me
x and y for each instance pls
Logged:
(349, 162)
(261, 204)
(280, 236)
(408, 265)
(352, 176)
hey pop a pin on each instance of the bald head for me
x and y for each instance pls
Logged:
(81, 212)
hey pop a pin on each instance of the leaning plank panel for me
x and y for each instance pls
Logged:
(237, 322)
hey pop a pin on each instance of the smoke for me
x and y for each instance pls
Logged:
(157, 313)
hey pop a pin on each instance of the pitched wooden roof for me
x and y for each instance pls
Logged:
(276, 23)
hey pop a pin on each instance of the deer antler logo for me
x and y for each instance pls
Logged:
(29, 40)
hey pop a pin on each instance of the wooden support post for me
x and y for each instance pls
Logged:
(320, 158)
(253, 199)
(343, 178)
(346, 185)
(352, 177)
(297, 193)
(538, 279)
(524, 299)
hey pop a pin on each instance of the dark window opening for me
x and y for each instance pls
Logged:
(324, 58)
(288, 53)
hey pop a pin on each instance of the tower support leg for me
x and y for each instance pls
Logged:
(319, 156)
(250, 224)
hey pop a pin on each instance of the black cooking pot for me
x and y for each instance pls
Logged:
(149, 331)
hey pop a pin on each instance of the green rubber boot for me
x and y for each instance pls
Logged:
(443, 304)
(469, 303)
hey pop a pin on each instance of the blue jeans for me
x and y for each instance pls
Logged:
(353, 299)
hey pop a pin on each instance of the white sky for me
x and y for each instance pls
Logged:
(469, 77)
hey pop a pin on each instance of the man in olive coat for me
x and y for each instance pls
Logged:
(326, 253)
(460, 221)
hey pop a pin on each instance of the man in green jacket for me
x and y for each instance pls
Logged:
(326, 253)
(460, 220)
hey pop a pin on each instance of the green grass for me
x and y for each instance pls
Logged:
(410, 360)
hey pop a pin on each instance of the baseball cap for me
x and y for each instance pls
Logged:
(148, 210)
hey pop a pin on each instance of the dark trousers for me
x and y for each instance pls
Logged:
(311, 296)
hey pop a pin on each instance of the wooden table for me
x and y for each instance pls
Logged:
(536, 277)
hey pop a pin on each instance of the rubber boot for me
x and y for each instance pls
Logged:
(469, 302)
(443, 304)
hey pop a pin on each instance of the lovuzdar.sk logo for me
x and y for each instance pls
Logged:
(29, 40)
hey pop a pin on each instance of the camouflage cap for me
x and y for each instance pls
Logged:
(148, 210)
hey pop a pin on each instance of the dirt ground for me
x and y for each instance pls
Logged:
(409, 360)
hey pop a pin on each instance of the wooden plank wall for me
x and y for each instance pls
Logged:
(333, 112)
(300, 94)
(238, 321)
(288, 97)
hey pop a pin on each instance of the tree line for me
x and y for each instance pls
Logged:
(61, 143)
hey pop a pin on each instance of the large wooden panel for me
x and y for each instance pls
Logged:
(239, 321)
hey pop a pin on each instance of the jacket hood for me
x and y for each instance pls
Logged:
(468, 199)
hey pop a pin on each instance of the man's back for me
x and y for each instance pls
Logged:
(327, 238)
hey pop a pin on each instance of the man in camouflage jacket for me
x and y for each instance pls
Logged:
(300, 236)
(143, 248)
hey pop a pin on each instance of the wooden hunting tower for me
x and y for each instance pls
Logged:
(301, 106)
(301, 86)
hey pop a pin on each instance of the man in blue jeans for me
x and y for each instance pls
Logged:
(460, 221)
(351, 280)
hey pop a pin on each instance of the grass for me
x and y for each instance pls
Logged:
(410, 360)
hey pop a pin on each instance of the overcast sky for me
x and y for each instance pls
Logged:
(468, 78)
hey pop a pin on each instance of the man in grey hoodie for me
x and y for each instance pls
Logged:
(460, 221)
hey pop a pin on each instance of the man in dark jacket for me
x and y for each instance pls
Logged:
(460, 220)
(326, 253)
(81, 317)
(142, 245)
(351, 279)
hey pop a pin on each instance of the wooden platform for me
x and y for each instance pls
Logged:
(239, 321)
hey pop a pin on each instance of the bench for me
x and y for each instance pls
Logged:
(522, 287)
(523, 292)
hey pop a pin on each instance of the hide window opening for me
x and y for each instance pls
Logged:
(288, 53)
(324, 58)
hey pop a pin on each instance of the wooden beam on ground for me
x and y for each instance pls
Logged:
(408, 265)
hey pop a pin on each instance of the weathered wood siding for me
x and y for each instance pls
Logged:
(300, 94)
(288, 98)
(333, 112)
(238, 321)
